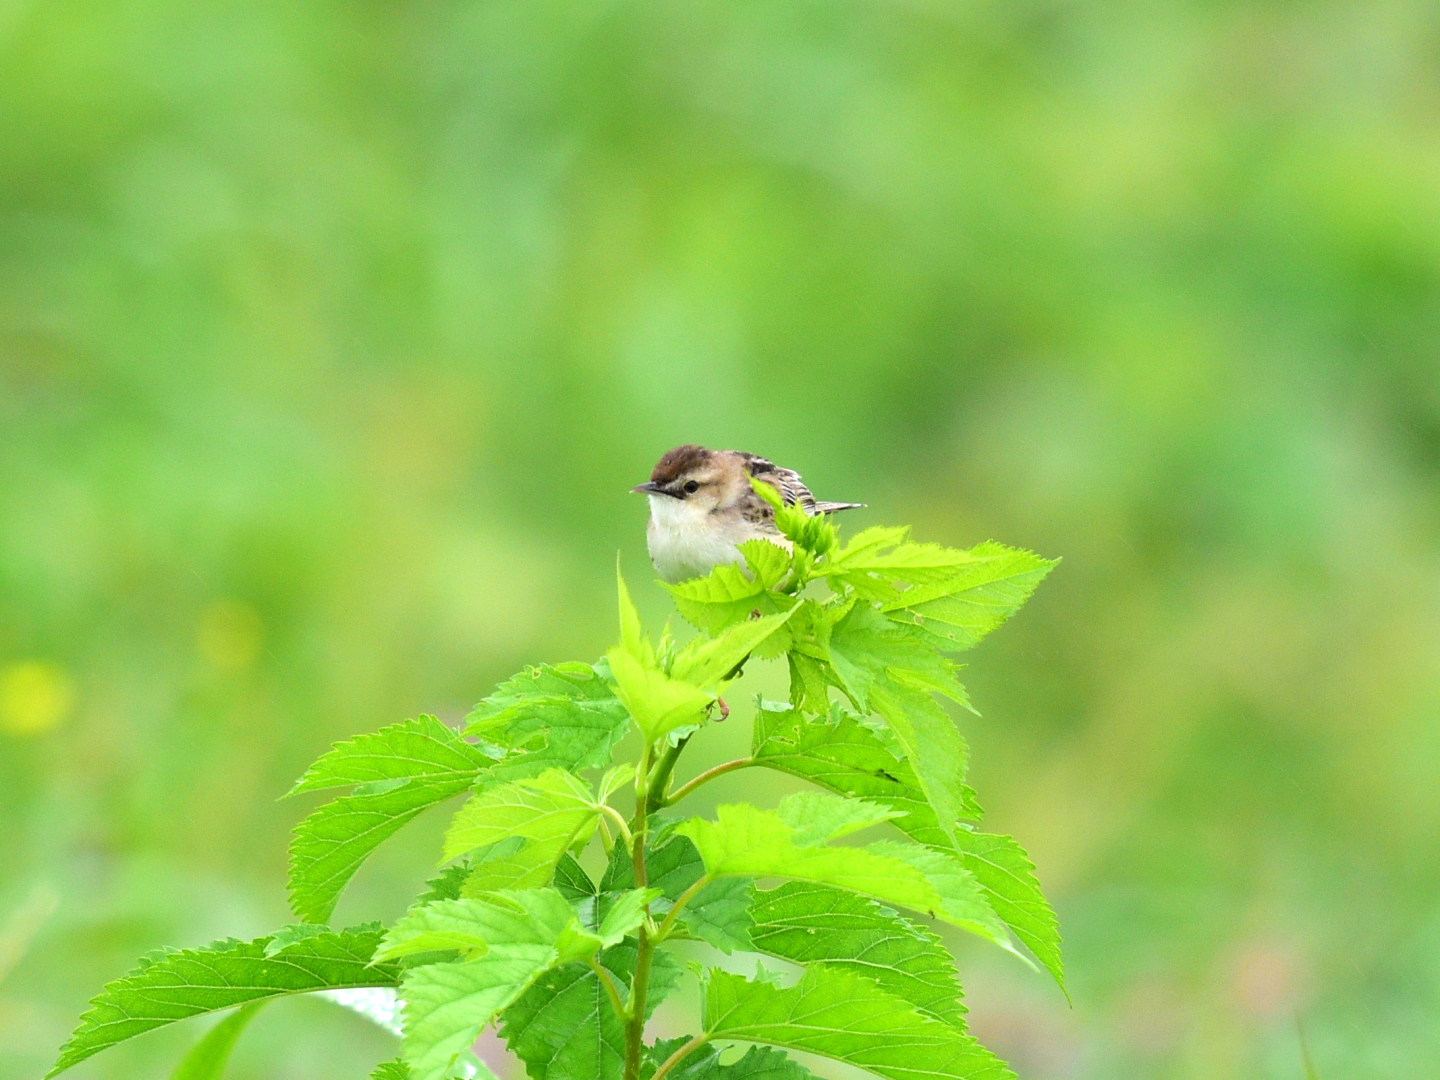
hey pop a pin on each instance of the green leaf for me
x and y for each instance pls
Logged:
(814, 535)
(703, 1063)
(550, 812)
(885, 666)
(562, 716)
(176, 985)
(391, 1070)
(747, 842)
(626, 913)
(329, 845)
(839, 1015)
(728, 595)
(807, 923)
(966, 904)
(660, 705)
(472, 925)
(286, 936)
(419, 749)
(844, 756)
(632, 635)
(509, 939)
(719, 913)
(447, 885)
(1006, 874)
(572, 882)
(816, 817)
(976, 597)
(565, 1028)
(207, 1058)
(708, 662)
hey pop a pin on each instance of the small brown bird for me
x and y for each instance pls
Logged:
(702, 507)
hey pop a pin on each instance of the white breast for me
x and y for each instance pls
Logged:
(686, 541)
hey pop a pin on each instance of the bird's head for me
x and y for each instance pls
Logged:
(700, 479)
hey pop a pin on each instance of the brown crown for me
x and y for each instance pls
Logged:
(679, 461)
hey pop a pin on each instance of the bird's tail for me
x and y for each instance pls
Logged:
(832, 507)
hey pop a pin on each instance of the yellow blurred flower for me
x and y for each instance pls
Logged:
(230, 634)
(35, 697)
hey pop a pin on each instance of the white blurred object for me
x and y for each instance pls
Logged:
(376, 1003)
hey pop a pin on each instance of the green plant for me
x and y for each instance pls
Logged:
(515, 931)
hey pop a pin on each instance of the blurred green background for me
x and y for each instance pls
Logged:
(332, 335)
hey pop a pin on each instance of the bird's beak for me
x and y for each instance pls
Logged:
(652, 488)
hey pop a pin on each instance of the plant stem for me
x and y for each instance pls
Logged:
(689, 894)
(640, 982)
(704, 778)
(608, 981)
(619, 823)
(661, 780)
(680, 1055)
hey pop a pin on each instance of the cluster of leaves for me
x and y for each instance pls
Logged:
(515, 932)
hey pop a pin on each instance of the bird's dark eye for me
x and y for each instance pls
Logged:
(691, 487)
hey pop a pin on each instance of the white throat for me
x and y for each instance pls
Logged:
(688, 541)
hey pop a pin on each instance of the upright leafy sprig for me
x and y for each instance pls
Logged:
(570, 966)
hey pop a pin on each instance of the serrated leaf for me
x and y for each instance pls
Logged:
(473, 925)
(176, 985)
(747, 842)
(207, 1058)
(1005, 872)
(509, 940)
(768, 562)
(333, 841)
(561, 716)
(978, 596)
(572, 882)
(729, 595)
(512, 863)
(718, 914)
(814, 535)
(419, 749)
(815, 816)
(659, 704)
(839, 1015)
(565, 1028)
(966, 904)
(844, 756)
(627, 911)
(632, 635)
(549, 812)
(391, 1070)
(286, 936)
(885, 667)
(758, 1063)
(447, 884)
(447, 1006)
(807, 923)
(809, 687)
(708, 662)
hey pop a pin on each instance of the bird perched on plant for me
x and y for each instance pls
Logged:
(702, 508)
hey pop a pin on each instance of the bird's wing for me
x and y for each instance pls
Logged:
(792, 489)
(786, 481)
